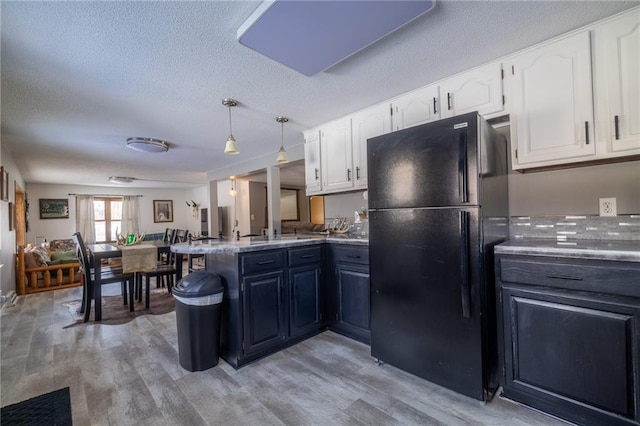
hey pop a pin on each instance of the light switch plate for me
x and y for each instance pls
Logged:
(608, 207)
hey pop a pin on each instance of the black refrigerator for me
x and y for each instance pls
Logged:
(438, 204)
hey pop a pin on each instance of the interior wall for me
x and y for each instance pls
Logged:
(64, 228)
(574, 191)
(344, 205)
(257, 207)
(8, 238)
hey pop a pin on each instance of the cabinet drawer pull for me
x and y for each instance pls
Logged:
(306, 256)
(564, 277)
(616, 121)
(266, 262)
(316, 174)
(435, 109)
(586, 131)
(353, 256)
(357, 173)
(449, 101)
(349, 175)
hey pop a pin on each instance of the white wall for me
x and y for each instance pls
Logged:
(64, 228)
(344, 205)
(8, 238)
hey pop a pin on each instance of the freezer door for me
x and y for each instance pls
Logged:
(426, 295)
(433, 165)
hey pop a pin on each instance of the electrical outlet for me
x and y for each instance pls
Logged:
(608, 207)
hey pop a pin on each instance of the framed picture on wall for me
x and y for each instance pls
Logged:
(4, 184)
(54, 208)
(162, 211)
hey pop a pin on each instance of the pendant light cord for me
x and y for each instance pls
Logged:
(230, 129)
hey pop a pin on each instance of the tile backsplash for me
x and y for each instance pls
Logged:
(588, 227)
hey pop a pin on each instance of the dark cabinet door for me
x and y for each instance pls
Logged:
(264, 311)
(305, 309)
(572, 354)
(352, 301)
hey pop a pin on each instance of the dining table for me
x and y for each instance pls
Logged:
(105, 251)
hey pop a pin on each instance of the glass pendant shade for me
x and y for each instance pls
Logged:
(231, 146)
(282, 156)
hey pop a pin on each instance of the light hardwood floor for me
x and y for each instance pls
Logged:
(129, 374)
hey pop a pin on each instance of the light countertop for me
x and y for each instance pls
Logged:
(628, 251)
(248, 244)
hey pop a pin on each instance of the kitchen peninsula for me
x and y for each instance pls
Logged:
(282, 290)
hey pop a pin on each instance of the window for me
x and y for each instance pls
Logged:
(108, 216)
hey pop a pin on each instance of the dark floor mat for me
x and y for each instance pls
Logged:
(53, 408)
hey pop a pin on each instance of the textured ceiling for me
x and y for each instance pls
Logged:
(78, 78)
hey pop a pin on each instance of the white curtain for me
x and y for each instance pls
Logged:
(130, 215)
(85, 219)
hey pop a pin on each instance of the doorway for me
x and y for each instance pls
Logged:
(21, 216)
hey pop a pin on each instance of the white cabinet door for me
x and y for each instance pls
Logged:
(477, 90)
(371, 122)
(416, 107)
(336, 156)
(551, 105)
(312, 172)
(617, 61)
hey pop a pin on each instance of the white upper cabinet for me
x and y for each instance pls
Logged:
(477, 90)
(416, 107)
(617, 73)
(551, 104)
(336, 155)
(312, 172)
(368, 123)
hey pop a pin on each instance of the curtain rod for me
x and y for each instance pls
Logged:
(106, 195)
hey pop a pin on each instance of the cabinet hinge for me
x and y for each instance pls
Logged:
(502, 74)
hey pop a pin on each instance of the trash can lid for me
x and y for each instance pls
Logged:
(198, 284)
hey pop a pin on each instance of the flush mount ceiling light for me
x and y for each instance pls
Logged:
(231, 147)
(121, 179)
(311, 36)
(282, 153)
(147, 145)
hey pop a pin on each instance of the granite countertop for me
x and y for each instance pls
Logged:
(248, 244)
(628, 251)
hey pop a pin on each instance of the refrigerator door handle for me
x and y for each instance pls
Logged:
(464, 264)
(463, 190)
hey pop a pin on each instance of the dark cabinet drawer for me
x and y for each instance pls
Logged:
(351, 254)
(618, 278)
(261, 261)
(306, 255)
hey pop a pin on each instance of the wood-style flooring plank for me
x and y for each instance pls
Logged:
(129, 374)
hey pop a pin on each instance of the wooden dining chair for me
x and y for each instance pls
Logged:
(108, 275)
(162, 271)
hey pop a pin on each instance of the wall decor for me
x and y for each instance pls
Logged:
(4, 184)
(12, 217)
(162, 211)
(54, 208)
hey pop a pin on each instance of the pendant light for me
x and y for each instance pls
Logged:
(233, 191)
(231, 147)
(282, 153)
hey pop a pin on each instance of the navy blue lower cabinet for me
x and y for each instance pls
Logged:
(264, 311)
(351, 292)
(569, 337)
(306, 307)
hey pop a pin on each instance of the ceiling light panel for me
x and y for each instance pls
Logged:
(311, 36)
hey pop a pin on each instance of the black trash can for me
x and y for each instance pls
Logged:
(198, 308)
